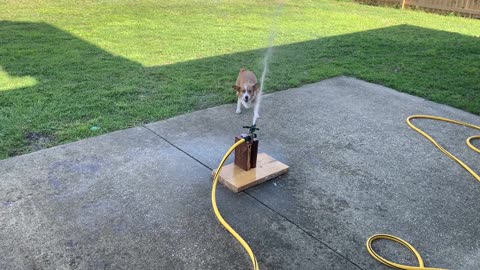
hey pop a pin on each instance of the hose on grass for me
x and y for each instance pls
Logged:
(404, 243)
(219, 216)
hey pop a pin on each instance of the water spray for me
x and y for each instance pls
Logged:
(249, 168)
(262, 79)
(244, 172)
(267, 56)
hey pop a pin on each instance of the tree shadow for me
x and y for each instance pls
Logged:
(82, 90)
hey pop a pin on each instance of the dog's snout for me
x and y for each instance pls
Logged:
(246, 98)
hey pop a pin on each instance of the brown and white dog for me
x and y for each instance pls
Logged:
(246, 88)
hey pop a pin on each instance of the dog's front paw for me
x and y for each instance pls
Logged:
(238, 111)
(256, 116)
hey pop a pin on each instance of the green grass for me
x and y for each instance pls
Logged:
(71, 71)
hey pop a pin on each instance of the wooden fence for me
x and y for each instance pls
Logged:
(469, 8)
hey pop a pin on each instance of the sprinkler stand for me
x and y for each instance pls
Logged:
(246, 153)
(249, 168)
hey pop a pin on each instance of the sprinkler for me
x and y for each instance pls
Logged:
(252, 129)
(249, 168)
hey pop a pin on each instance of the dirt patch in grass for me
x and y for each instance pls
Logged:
(38, 140)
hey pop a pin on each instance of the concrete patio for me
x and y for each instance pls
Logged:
(140, 198)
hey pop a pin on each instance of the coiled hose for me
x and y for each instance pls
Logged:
(469, 140)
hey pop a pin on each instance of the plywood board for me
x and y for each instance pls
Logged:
(236, 179)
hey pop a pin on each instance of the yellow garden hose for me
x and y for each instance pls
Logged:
(404, 243)
(219, 216)
(421, 266)
(448, 154)
(373, 238)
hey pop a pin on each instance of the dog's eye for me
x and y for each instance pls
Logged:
(249, 91)
(243, 91)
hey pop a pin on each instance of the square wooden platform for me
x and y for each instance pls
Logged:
(236, 179)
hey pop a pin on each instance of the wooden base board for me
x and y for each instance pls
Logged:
(236, 179)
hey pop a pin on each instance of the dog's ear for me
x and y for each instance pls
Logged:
(236, 88)
(256, 86)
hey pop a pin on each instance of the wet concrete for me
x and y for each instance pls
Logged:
(140, 198)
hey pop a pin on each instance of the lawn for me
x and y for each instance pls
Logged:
(71, 71)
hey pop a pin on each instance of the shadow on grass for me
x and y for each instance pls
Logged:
(83, 91)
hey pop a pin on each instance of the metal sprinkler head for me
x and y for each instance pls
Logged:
(251, 130)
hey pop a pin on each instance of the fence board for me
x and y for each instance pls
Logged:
(463, 7)
(442, 6)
